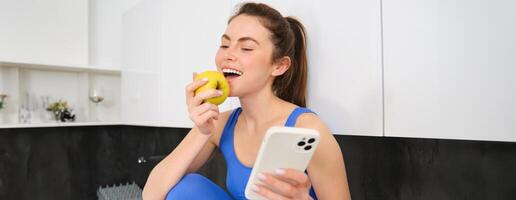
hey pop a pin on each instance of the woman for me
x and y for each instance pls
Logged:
(263, 56)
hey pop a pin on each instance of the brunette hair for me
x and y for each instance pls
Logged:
(288, 37)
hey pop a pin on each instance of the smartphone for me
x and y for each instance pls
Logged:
(282, 147)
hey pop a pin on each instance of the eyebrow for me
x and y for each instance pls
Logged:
(242, 39)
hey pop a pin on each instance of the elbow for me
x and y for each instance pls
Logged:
(148, 194)
(145, 194)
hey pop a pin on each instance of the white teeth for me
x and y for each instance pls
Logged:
(232, 71)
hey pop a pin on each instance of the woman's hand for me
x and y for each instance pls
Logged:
(284, 184)
(202, 114)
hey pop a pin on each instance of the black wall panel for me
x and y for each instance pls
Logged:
(72, 162)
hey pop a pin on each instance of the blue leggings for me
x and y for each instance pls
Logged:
(196, 186)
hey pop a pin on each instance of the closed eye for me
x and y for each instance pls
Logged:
(224, 46)
(247, 49)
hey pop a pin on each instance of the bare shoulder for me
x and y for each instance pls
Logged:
(311, 120)
(219, 126)
(326, 170)
(328, 146)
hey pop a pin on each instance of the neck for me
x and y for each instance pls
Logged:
(260, 108)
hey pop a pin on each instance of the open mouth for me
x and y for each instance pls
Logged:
(231, 73)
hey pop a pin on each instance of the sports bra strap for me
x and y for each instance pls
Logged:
(291, 121)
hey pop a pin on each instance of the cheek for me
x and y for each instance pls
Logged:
(251, 60)
(219, 58)
(259, 62)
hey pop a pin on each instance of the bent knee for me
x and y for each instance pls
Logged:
(193, 176)
(196, 186)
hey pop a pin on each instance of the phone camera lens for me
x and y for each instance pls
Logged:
(308, 147)
(311, 140)
(301, 143)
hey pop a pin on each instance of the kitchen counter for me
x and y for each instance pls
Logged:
(72, 124)
(55, 124)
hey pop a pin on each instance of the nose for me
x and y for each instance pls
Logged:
(230, 56)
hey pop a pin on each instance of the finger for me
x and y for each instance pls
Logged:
(293, 175)
(204, 117)
(190, 88)
(204, 108)
(196, 84)
(194, 74)
(280, 186)
(267, 193)
(196, 112)
(200, 97)
(207, 115)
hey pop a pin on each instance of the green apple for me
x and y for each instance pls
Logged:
(217, 81)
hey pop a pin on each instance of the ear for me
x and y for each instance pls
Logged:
(281, 66)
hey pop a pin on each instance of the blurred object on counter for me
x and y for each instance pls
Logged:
(2, 100)
(61, 111)
(96, 97)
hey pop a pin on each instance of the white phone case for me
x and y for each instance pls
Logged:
(282, 147)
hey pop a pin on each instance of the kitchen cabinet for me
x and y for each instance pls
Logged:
(449, 69)
(105, 32)
(44, 58)
(52, 32)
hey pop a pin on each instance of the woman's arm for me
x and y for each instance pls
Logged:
(193, 151)
(326, 170)
(208, 149)
(195, 148)
(172, 168)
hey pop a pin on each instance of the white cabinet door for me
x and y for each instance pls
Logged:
(105, 32)
(450, 68)
(344, 55)
(53, 32)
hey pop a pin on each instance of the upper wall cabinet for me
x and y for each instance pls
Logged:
(51, 32)
(163, 43)
(450, 68)
(344, 56)
(105, 32)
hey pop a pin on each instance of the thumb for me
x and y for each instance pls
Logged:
(194, 74)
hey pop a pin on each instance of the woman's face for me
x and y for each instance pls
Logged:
(246, 49)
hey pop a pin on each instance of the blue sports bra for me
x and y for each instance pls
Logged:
(237, 173)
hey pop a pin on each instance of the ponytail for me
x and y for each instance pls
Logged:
(291, 86)
(289, 39)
